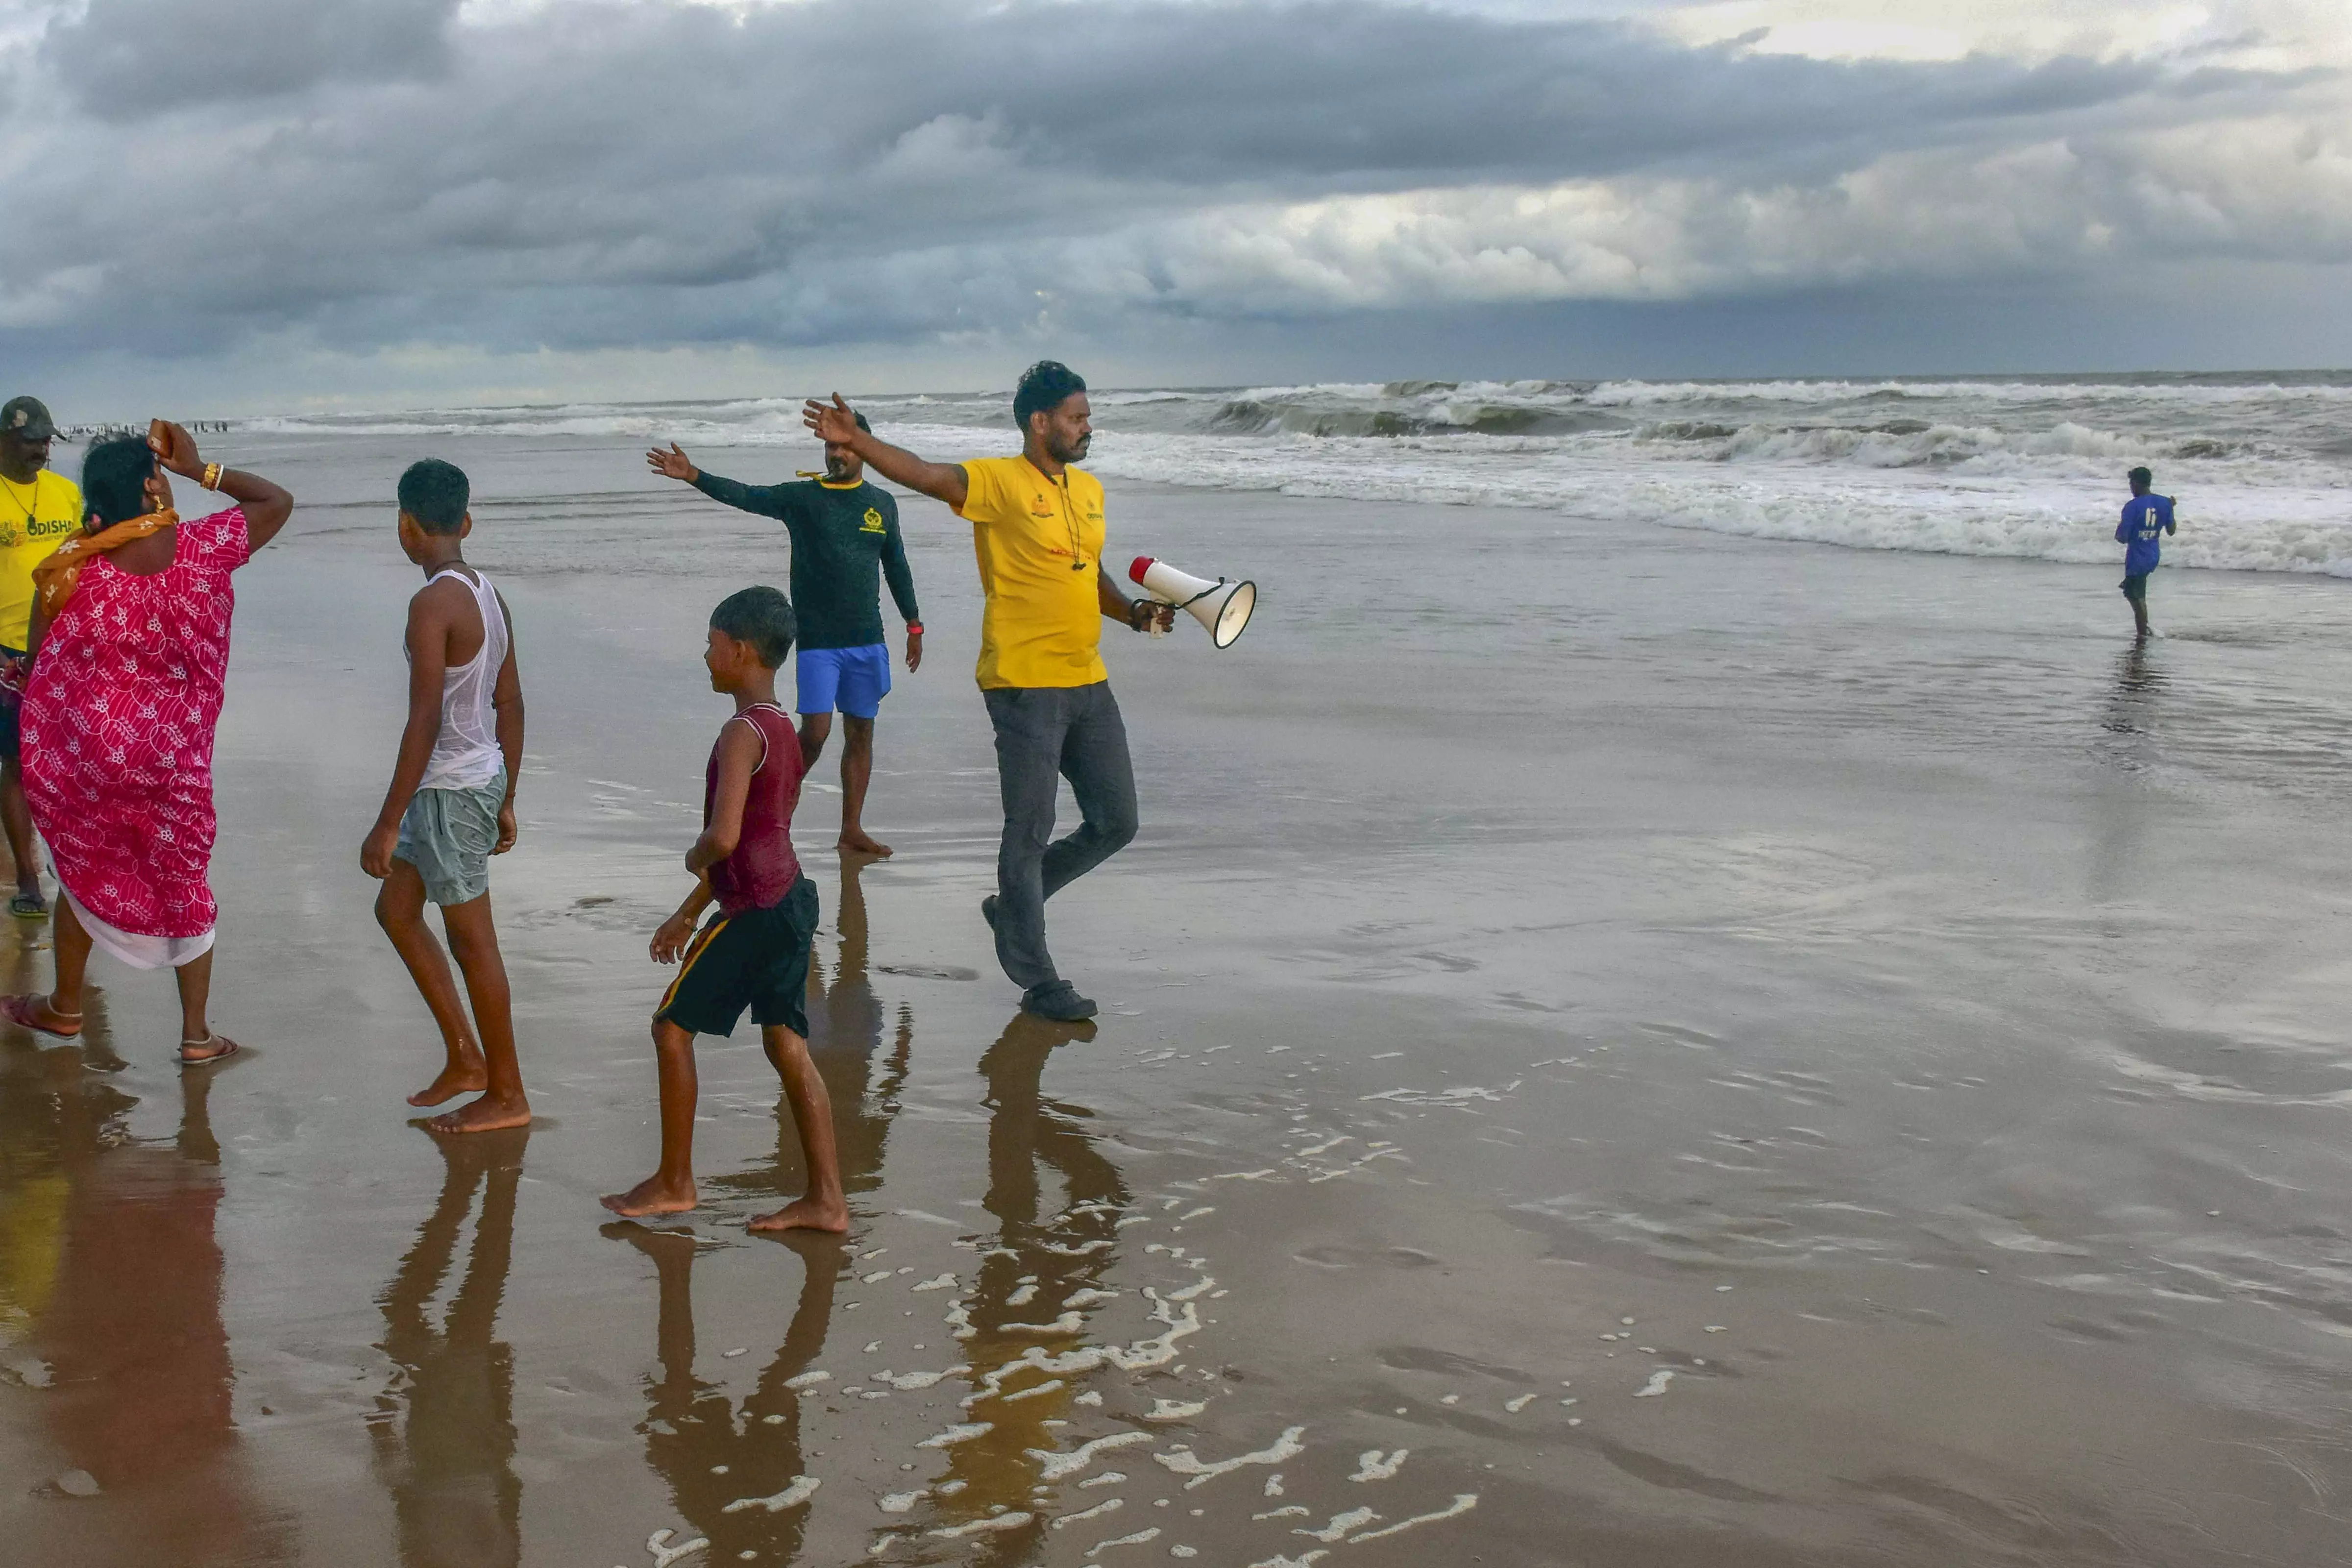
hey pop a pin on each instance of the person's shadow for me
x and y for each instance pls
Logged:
(443, 1432)
(712, 1451)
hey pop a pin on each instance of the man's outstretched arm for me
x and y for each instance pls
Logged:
(764, 500)
(836, 424)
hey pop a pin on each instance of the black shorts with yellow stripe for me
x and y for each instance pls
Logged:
(759, 959)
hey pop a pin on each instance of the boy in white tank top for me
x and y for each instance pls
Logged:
(451, 803)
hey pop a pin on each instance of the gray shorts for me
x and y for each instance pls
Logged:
(447, 834)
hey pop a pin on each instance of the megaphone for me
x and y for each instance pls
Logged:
(1222, 607)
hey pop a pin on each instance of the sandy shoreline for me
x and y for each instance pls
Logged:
(1915, 1018)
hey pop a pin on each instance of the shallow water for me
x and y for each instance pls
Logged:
(1914, 1012)
(2027, 467)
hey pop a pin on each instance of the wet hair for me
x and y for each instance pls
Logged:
(2140, 476)
(1044, 386)
(761, 616)
(114, 475)
(435, 494)
(861, 422)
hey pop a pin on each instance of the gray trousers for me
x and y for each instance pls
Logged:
(1041, 733)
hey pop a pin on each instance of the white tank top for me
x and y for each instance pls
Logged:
(466, 756)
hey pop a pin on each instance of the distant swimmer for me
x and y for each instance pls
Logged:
(1037, 530)
(2147, 518)
(846, 538)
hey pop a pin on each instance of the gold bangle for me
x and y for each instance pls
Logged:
(212, 472)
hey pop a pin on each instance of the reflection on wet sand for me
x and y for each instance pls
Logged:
(713, 1452)
(1046, 1255)
(2118, 838)
(2131, 702)
(111, 1269)
(444, 1431)
(845, 1029)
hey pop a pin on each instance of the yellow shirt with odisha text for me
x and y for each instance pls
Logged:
(1039, 543)
(34, 520)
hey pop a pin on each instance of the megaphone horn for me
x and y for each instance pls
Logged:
(1222, 607)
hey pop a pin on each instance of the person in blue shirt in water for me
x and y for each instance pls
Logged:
(2147, 518)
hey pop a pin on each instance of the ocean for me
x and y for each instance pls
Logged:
(1622, 1043)
(2026, 467)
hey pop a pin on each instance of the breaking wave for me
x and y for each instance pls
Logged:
(2027, 467)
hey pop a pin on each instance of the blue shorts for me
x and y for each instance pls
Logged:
(853, 680)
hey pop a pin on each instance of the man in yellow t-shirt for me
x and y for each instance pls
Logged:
(38, 511)
(1037, 534)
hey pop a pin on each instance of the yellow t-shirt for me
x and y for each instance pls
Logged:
(34, 520)
(1039, 543)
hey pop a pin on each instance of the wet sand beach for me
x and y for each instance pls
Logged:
(1621, 1045)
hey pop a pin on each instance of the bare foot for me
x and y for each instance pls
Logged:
(468, 1077)
(485, 1115)
(652, 1195)
(860, 842)
(807, 1214)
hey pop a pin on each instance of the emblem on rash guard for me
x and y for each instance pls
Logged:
(873, 523)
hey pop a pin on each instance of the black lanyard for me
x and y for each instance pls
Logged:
(30, 511)
(1070, 522)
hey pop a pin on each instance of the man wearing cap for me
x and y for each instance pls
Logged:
(38, 511)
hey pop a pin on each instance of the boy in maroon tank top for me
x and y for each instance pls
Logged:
(755, 954)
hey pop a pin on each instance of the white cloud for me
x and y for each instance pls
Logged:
(2261, 34)
(1907, 30)
(2261, 191)
(615, 176)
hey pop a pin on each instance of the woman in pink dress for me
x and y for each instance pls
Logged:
(130, 645)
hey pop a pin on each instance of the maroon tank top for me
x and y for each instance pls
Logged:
(763, 868)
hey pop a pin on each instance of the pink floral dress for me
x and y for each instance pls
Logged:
(117, 732)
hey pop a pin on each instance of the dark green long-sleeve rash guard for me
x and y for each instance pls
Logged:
(845, 537)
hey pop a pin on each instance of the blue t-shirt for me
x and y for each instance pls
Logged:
(2146, 517)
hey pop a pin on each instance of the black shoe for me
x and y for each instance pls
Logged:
(988, 911)
(1057, 1000)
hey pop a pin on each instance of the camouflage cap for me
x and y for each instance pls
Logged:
(28, 417)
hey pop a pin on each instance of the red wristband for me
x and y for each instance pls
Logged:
(915, 628)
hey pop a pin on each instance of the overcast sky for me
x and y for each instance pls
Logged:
(244, 204)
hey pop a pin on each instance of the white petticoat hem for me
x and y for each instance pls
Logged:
(133, 948)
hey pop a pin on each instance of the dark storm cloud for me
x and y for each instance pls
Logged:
(130, 59)
(373, 171)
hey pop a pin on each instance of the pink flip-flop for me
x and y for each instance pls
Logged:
(18, 1010)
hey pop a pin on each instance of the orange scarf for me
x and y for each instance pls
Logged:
(58, 575)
